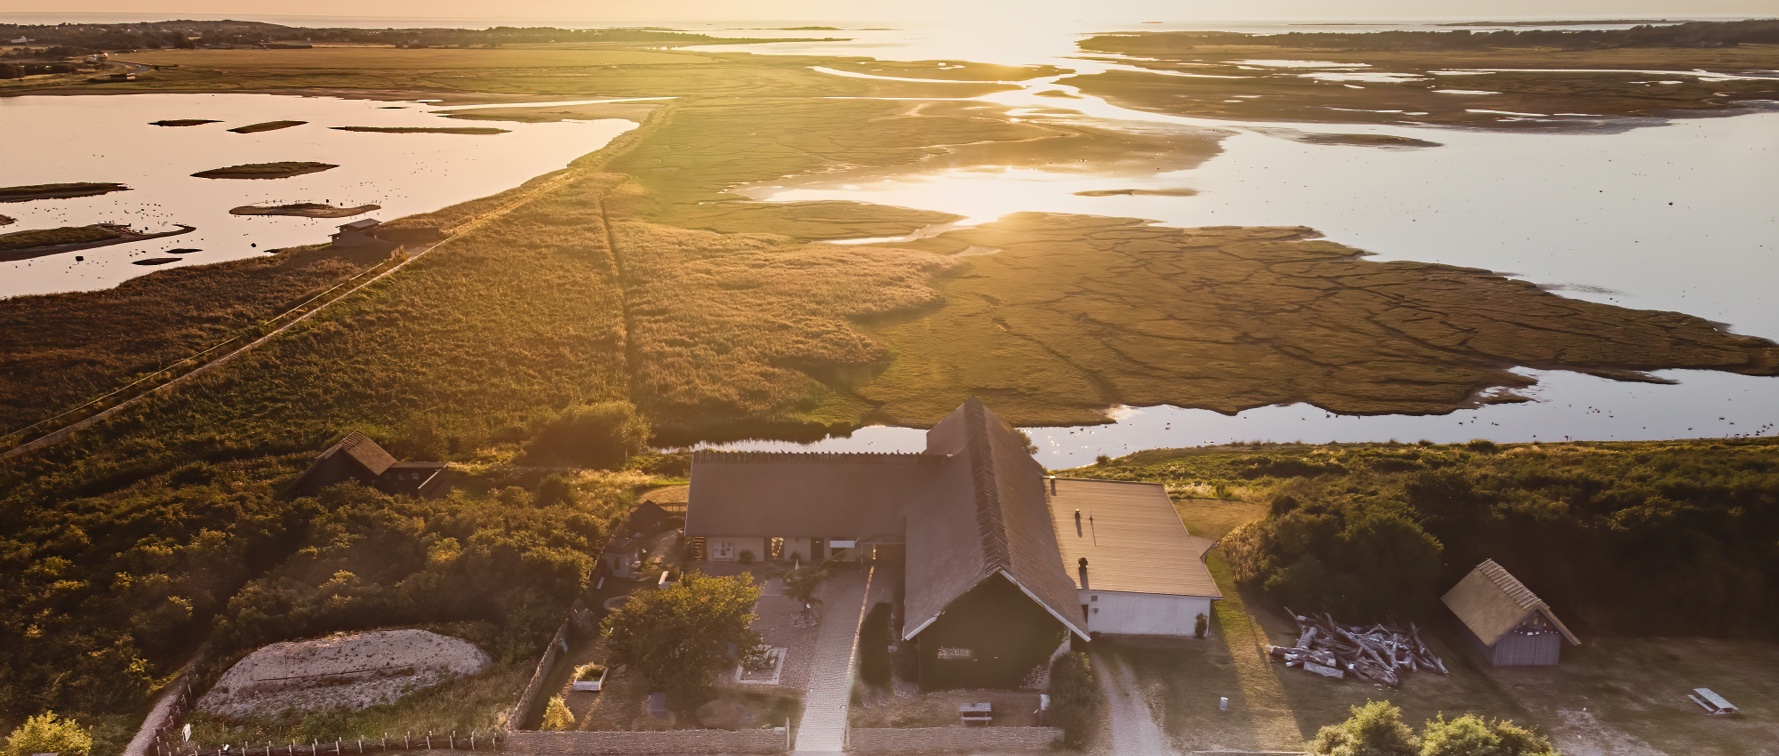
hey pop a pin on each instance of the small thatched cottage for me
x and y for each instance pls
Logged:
(358, 458)
(1505, 621)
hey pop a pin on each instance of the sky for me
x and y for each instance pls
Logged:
(599, 12)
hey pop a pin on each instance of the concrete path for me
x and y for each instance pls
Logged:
(1134, 729)
(828, 696)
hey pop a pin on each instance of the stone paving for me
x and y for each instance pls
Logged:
(828, 692)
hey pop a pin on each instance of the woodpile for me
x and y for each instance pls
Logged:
(1380, 653)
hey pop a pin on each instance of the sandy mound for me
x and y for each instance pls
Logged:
(348, 671)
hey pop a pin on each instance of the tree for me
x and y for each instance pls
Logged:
(677, 639)
(48, 733)
(1471, 735)
(1075, 700)
(594, 435)
(1375, 729)
(557, 716)
(800, 584)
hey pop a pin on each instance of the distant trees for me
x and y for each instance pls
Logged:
(1377, 729)
(676, 640)
(48, 733)
(600, 435)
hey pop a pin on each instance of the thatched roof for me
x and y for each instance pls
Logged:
(1492, 602)
(990, 518)
(970, 507)
(356, 447)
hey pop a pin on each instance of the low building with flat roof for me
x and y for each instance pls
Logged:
(1138, 571)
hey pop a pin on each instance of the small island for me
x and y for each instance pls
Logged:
(24, 245)
(267, 126)
(56, 191)
(1137, 193)
(184, 122)
(305, 210)
(1367, 140)
(422, 129)
(5, 220)
(265, 170)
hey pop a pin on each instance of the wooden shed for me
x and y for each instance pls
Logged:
(1507, 623)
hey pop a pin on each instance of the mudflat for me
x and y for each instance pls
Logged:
(267, 126)
(23, 245)
(305, 210)
(57, 191)
(265, 170)
(422, 129)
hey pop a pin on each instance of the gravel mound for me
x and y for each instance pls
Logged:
(349, 671)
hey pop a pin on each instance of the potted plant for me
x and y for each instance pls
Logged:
(589, 677)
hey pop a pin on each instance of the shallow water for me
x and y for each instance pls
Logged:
(105, 138)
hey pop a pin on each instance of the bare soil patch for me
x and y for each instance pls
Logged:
(343, 672)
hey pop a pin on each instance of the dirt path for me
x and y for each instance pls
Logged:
(1134, 729)
(63, 432)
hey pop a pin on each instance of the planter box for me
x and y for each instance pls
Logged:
(594, 684)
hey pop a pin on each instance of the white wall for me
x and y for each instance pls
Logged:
(1117, 613)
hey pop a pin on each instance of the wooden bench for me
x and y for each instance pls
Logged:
(976, 713)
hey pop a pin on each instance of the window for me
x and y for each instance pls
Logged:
(722, 550)
(956, 654)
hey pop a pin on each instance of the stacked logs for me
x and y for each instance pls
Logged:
(1380, 653)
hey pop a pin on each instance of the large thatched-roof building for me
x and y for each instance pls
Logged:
(1507, 623)
(981, 535)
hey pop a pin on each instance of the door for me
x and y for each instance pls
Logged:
(817, 550)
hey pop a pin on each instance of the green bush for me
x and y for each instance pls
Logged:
(602, 435)
(874, 646)
(1075, 699)
(1471, 735)
(557, 716)
(48, 733)
(1375, 729)
(1358, 560)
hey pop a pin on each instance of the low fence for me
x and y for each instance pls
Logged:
(763, 740)
(339, 747)
(951, 739)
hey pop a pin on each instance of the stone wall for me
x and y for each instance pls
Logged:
(951, 739)
(527, 707)
(533, 743)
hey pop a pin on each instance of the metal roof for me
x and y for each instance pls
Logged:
(1492, 602)
(1131, 537)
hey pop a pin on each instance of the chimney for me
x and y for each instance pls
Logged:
(1083, 571)
(1077, 523)
(1052, 484)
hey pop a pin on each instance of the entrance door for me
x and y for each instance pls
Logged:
(818, 550)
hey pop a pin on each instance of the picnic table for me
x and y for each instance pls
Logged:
(1712, 703)
(976, 713)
